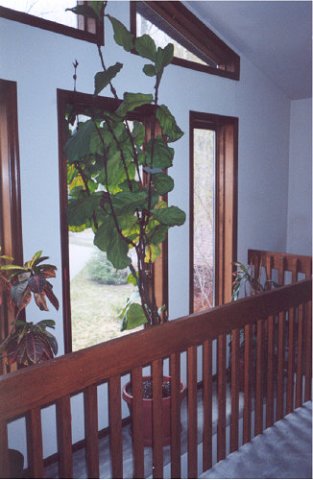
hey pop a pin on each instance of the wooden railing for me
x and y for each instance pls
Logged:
(281, 264)
(269, 334)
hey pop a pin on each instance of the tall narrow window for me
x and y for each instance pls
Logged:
(10, 205)
(213, 215)
(203, 218)
(93, 291)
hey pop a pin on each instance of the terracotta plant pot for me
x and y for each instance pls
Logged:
(147, 404)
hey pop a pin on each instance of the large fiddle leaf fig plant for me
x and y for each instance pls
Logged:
(117, 172)
(27, 343)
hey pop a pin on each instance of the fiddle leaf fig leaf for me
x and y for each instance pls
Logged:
(170, 216)
(134, 317)
(168, 124)
(102, 79)
(122, 36)
(149, 70)
(78, 145)
(158, 154)
(139, 133)
(158, 235)
(85, 10)
(132, 101)
(117, 252)
(145, 47)
(125, 202)
(164, 57)
(81, 210)
(104, 234)
(162, 183)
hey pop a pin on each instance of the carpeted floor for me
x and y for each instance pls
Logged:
(282, 451)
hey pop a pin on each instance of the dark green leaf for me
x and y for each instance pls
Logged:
(163, 183)
(78, 145)
(121, 35)
(158, 234)
(170, 216)
(149, 70)
(102, 79)
(117, 252)
(85, 10)
(158, 154)
(168, 124)
(124, 202)
(105, 234)
(132, 101)
(164, 57)
(139, 133)
(80, 210)
(134, 317)
(146, 47)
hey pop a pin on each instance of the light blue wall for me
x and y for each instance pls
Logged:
(41, 62)
(299, 233)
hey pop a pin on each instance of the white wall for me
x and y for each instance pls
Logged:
(40, 62)
(299, 232)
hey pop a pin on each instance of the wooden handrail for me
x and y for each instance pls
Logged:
(283, 262)
(23, 390)
(256, 350)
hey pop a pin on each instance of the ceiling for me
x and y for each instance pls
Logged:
(274, 35)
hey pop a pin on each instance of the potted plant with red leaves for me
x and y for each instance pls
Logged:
(28, 343)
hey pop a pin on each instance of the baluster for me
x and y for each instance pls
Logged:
(4, 455)
(235, 361)
(137, 423)
(299, 368)
(157, 416)
(259, 379)
(34, 443)
(308, 351)
(192, 412)
(91, 431)
(280, 366)
(290, 364)
(115, 415)
(270, 373)
(247, 385)
(207, 404)
(175, 415)
(64, 429)
(221, 395)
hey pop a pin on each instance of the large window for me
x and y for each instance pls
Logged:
(93, 291)
(10, 206)
(213, 205)
(195, 45)
(53, 15)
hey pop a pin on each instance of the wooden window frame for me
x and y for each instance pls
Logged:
(195, 34)
(81, 102)
(226, 180)
(82, 32)
(10, 212)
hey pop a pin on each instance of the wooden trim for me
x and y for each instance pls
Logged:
(33, 21)
(83, 103)
(188, 29)
(226, 177)
(96, 364)
(10, 196)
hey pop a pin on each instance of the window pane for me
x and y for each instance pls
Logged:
(98, 292)
(47, 9)
(162, 39)
(203, 218)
